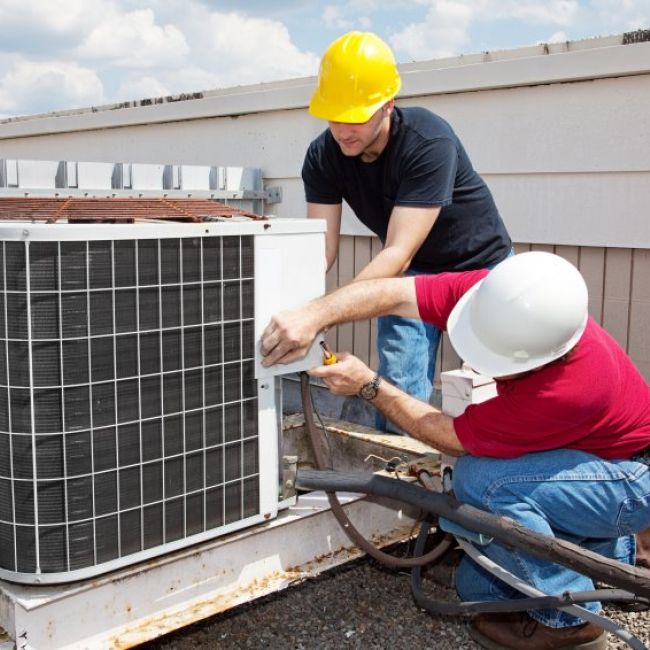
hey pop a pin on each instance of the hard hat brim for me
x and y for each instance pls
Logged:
(481, 358)
(346, 115)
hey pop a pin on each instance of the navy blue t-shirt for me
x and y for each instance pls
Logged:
(424, 164)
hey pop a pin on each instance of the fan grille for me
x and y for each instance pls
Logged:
(128, 403)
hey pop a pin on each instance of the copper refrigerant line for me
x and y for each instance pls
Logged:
(117, 209)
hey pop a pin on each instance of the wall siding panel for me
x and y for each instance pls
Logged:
(331, 282)
(569, 253)
(374, 358)
(639, 327)
(346, 273)
(362, 257)
(592, 267)
(616, 294)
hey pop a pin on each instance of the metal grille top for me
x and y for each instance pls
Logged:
(116, 209)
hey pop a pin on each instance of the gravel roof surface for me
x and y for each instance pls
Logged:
(358, 605)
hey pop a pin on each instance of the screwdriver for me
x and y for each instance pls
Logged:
(329, 358)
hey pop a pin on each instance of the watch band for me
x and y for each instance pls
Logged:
(369, 391)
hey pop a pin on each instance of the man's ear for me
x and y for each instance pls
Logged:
(388, 107)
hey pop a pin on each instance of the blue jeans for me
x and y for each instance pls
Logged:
(407, 358)
(573, 495)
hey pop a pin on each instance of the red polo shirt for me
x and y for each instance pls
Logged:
(596, 400)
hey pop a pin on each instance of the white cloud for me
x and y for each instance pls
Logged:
(38, 86)
(362, 6)
(551, 12)
(193, 78)
(333, 18)
(557, 37)
(352, 15)
(444, 31)
(54, 16)
(134, 40)
(137, 87)
(446, 28)
(183, 46)
(612, 16)
(242, 50)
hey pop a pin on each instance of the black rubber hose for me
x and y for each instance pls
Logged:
(506, 532)
(512, 605)
(337, 510)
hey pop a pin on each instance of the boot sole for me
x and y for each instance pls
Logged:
(599, 643)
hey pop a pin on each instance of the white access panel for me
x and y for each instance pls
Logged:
(290, 272)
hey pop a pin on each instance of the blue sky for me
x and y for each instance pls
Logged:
(62, 54)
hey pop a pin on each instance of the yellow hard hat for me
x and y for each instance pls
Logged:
(357, 75)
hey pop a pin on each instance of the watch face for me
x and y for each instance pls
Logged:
(369, 390)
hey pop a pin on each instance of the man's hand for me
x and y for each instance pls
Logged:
(289, 335)
(346, 377)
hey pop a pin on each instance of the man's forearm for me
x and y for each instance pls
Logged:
(419, 419)
(362, 300)
(389, 263)
(289, 334)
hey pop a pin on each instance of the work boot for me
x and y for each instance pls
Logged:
(518, 631)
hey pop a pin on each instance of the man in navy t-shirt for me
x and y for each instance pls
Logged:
(407, 177)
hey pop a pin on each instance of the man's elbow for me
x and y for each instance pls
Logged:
(404, 260)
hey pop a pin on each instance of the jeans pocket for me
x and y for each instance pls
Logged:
(634, 515)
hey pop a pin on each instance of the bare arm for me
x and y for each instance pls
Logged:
(419, 419)
(407, 230)
(290, 333)
(332, 215)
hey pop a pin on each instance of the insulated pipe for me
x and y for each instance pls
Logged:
(337, 510)
(503, 530)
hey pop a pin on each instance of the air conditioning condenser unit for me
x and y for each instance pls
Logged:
(135, 415)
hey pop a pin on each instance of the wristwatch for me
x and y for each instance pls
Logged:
(369, 391)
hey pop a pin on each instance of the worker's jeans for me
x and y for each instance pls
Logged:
(569, 494)
(407, 357)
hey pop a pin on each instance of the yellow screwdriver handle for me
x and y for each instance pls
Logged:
(329, 358)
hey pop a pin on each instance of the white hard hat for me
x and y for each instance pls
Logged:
(529, 310)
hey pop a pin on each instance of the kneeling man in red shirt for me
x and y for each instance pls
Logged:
(563, 448)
